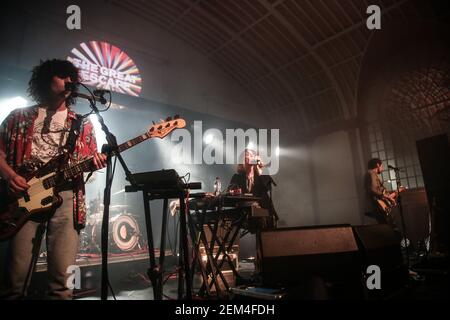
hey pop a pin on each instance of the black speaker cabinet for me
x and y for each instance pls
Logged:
(434, 156)
(380, 245)
(292, 256)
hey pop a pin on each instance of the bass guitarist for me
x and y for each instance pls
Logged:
(29, 138)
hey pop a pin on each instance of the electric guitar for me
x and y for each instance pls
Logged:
(385, 204)
(42, 195)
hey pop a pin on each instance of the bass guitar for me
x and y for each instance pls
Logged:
(42, 195)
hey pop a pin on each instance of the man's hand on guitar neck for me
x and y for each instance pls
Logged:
(99, 160)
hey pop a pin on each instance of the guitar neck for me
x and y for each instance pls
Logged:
(87, 165)
(131, 143)
(159, 130)
(153, 132)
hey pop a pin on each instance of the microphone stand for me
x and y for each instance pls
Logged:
(402, 218)
(268, 183)
(111, 150)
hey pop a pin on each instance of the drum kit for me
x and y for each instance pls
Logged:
(124, 232)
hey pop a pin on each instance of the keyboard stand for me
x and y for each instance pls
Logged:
(156, 271)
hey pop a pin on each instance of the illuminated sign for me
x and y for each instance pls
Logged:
(105, 66)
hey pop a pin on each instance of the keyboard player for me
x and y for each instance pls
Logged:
(249, 180)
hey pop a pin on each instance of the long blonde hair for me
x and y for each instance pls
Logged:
(241, 166)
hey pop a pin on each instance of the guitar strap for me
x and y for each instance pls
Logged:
(73, 135)
(72, 139)
(69, 146)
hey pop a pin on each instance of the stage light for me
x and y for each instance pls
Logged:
(8, 105)
(99, 134)
(250, 145)
(208, 139)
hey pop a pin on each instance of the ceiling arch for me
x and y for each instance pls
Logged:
(299, 59)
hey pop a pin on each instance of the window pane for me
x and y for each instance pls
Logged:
(410, 171)
(379, 136)
(394, 185)
(396, 154)
(412, 183)
(408, 160)
(373, 147)
(392, 174)
(391, 162)
(418, 170)
(388, 144)
(420, 181)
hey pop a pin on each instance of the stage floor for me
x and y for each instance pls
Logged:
(129, 280)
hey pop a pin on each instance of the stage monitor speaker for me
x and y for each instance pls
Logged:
(434, 156)
(380, 245)
(290, 257)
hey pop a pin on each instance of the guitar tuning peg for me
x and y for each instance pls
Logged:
(177, 116)
(168, 118)
(153, 122)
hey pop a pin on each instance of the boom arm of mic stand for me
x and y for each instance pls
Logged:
(102, 100)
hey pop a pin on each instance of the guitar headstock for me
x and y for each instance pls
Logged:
(163, 128)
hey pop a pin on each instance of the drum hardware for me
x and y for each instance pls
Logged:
(124, 234)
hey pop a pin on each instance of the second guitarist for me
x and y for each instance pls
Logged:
(376, 193)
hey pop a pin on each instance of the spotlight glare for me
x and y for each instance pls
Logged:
(208, 138)
(99, 133)
(250, 145)
(8, 105)
(277, 151)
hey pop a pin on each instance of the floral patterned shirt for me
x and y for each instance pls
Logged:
(16, 138)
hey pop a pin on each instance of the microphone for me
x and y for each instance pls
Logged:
(393, 168)
(71, 86)
(100, 92)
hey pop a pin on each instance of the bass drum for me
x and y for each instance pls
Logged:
(124, 234)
